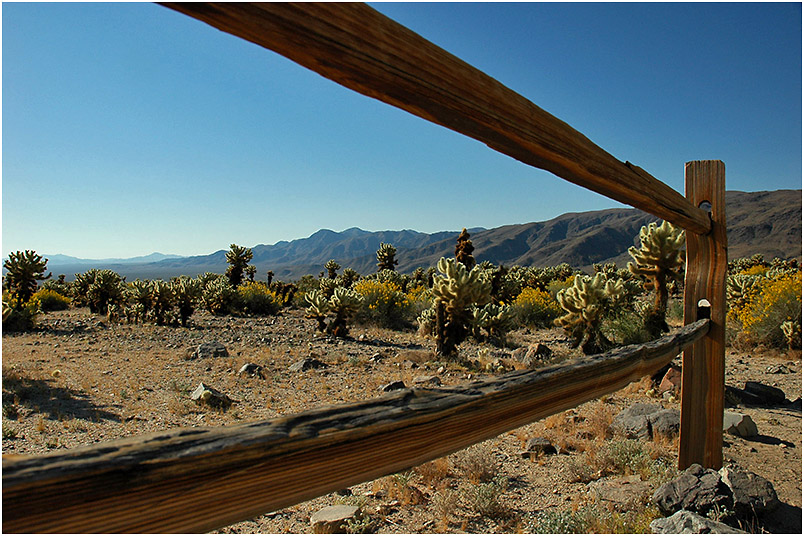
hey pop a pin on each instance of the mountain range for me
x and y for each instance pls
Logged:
(757, 222)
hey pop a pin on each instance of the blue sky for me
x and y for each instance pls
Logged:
(130, 128)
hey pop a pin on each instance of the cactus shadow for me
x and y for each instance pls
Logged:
(54, 402)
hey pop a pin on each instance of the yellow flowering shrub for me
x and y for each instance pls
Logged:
(384, 303)
(537, 308)
(769, 304)
(755, 270)
(256, 298)
(50, 300)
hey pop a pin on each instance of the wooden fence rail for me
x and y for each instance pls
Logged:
(199, 479)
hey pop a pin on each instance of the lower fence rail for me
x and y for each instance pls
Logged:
(200, 479)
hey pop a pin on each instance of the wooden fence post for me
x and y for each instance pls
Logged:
(703, 364)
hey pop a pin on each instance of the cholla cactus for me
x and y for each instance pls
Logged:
(344, 303)
(792, 333)
(98, 289)
(464, 249)
(659, 259)
(333, 314)
(217, 295)
(327, 286)
(332, 268)
(319, 307)
(139, 300)
(586, 303)
(455, 292)
(238, 258)
(163, 301)
(24, 269)
(739, 288)
(347, 278)
(385, 257)
(495, 319)
(187, 293)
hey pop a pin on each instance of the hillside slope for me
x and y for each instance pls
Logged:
(757, 222)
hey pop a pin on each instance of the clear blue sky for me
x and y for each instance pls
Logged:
(130, 128)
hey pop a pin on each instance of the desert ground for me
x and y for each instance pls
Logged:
(78, 379)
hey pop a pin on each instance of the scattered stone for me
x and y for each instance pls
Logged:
(427, 380)
(204, 394)
(735, 396)
(536, 353)
(685, 522)
(209, 349)
(345, 492)
(642, 421)
(696, 489)
(307, 363)
(538, 445)
(753, 495)
(777, 369)
(393, 386)
(408, 364)
(376, 358)
(333, 519)
(671, 380)
(768, 395)
(739, 424)
(253, 370)
(622, 493)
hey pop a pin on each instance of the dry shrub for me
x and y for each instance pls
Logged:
(477, 465)
(399, 487)
(435, 472)
(444, 503)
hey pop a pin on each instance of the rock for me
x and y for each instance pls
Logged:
(210, 349)
(777, 369)
(736, 396)
(671, 380)
(685, 522)
(538, 445)
(307, 363)
(427, 380)
(253, 370)
(393, 386)
(408, 364)
(333, 519)
(633, 422)
(739, 424)
(753, 495)
(696, 489)
(769, 396)
(204, 394)
(665, 422)
(622, 493)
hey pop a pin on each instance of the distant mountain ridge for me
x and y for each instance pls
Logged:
(757, 222)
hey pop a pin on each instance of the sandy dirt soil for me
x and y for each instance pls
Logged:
(78, 379)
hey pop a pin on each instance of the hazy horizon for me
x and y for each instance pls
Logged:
(130, 128)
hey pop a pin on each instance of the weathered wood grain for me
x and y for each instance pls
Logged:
(703, 365)
(357, 47)
(199, 479)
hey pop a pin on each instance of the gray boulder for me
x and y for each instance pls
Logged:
(767, 394)
(738, 424)
(210, 349)
(333, 519)
(392, 386)
(697, 490)
(538, 445)
(308, 363)
(427, 380)
(753, 495)
(204, 394)
(253, 370)
(621, 493)
(685, 522)
(643, 421)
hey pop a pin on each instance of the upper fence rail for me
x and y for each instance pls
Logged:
(359, 48)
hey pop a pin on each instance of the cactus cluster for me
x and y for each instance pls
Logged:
(238, 258)
(455, 292)
(386, 257)
(464, 249)
(24, 269)
(586, 303)
(659, 259)
(334, 313)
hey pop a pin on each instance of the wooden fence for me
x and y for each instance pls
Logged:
(198, 479)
